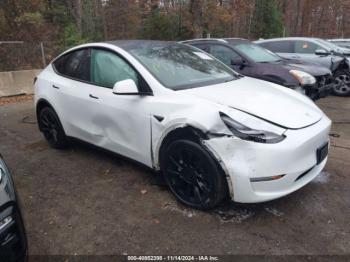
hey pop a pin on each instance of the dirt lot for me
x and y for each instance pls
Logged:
(86, 201)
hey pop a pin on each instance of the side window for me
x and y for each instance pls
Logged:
(306, 47)
(75, 65)
(279, 46)
(108, 68)
(223, 53)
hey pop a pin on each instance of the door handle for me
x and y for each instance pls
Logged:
(55, 87)
(92, 96)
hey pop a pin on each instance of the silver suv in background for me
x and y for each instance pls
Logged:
(315, 50)
(345, 43)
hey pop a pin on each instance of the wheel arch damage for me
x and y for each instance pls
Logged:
(189, 131)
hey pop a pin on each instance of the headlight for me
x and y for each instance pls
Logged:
(246, 133)
(303, 77)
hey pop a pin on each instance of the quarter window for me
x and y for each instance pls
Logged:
(107, 68)
(75, 65)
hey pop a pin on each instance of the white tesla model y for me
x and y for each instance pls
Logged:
(212, 132)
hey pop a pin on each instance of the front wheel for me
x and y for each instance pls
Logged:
(342, 83)
(193, 175)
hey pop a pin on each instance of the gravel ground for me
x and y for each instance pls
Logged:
(86, 201)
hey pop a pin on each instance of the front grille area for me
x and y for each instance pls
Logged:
(324, 80)
(322, 88)
(303, 174)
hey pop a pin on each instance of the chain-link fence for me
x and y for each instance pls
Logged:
(18, 55)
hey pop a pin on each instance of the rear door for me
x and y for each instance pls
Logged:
(73, 91)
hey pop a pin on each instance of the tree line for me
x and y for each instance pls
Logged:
(69, 22)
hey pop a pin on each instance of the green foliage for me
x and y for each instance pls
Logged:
(34, 18)
(161, 26)
(72, 36)
(267, 19)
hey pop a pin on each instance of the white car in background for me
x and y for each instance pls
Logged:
(212, 132)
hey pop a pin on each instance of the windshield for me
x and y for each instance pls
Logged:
(179, 66)
(257, 54)
(331, 46)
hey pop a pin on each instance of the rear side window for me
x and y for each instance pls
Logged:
(223, 53)
(75, 65)
(306, 47)
(108, 68)
(279, 46)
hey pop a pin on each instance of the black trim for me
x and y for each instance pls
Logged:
(304, 174)
(134, 94)
(92, 96)
(159, 118)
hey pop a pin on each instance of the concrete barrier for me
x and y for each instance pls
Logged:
(17, 82)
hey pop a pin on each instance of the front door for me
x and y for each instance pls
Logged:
(121, 122)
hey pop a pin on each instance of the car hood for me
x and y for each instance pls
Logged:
(311, 68)
(268, 101)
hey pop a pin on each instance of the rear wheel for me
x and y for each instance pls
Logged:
(193, 175)
(52, 129)
(342, 83)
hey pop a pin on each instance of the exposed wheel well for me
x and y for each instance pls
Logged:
(195, 135)
(186, 132)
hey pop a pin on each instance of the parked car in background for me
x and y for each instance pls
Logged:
(318, 51)
(13, 241)
(345, 43)
(252, 60)
(213, 133)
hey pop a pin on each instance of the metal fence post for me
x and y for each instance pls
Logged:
(43, 54)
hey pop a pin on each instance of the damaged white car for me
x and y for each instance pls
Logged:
(212, 132)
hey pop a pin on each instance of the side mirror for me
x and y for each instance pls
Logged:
(321, 52)
(238, 62)
(125, 87)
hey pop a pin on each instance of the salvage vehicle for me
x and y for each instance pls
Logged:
(318, 51)
(13, 240)
(252, 60)
(212, 132)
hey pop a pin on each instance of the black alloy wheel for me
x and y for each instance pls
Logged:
(52, 129)
(193, 175)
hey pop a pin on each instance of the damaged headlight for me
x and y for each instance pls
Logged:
(303, 77)
(246, 133)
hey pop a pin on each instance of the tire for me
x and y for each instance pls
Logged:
(342, 83)
(51, 127)
(193, 175)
